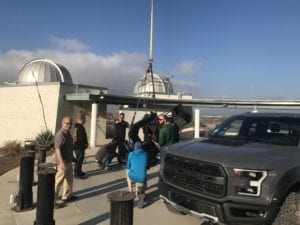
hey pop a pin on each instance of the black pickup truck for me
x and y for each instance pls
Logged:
(247, 171)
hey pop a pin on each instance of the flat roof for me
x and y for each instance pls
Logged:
(141, 101)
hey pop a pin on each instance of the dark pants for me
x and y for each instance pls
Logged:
(79, 160)
(121, 152)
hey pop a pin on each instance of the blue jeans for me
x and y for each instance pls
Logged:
(107, 159)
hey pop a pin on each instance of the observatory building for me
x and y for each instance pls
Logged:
(43, 71)
(36, 101)
(161, 85)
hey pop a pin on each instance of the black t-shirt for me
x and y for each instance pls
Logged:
(81, 142)
(120, 130)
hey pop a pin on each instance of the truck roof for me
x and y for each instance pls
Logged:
(269, 115)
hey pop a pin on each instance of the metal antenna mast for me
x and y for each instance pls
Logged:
(150, 54)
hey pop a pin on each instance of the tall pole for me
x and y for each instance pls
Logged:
(151, 33)
(151, 54)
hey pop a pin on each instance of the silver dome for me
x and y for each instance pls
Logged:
(42, 71)
(162, 85)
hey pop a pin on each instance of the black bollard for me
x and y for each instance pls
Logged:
(25, 197)
(121, 207)
(30, 146)
(45, 194)
(42, 149)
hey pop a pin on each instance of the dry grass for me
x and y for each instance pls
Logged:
(10, 156)
(11, 148)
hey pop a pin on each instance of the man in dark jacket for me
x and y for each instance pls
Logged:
(119, 136)
(80, 144)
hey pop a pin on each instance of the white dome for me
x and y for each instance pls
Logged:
(42, 71)
(162, 85)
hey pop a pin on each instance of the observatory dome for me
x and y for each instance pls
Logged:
(144, 86)
(43, 71)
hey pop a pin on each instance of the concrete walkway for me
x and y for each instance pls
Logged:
(92, 206)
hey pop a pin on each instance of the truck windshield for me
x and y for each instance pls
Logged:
(278, 131)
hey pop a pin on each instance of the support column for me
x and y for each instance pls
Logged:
(197, 122)
(94, 115)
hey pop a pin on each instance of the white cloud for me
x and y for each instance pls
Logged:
(188, 87)
(68, 44)
(119, 72)
(188, 68)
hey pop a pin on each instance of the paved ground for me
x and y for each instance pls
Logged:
(92, 206)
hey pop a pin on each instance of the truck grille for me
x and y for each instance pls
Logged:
(193, 175)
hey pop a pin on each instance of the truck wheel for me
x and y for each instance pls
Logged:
(173, 209)
(286, 214)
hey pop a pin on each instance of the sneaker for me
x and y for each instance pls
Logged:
(72, 198)
(101, 166)
(80, 177)
(82, 174)
(140, 203)
(58, 205)
(107, 168)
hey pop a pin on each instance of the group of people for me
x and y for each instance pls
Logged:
(137, 159)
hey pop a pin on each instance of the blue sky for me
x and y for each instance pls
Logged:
(229, 49)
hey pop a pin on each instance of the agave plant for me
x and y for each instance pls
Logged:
(45, 138)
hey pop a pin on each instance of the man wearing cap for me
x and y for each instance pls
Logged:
(137, 165)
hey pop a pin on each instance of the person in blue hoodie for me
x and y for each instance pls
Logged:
(137, 165)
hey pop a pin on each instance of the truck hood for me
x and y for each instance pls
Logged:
(236, 153)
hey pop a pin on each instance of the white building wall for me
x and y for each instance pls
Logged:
(22, 117)
(21, 111)
(101, 125)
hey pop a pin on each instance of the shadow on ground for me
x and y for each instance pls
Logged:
(111, 187)
(96, 220)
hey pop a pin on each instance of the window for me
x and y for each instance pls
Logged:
(231, 129)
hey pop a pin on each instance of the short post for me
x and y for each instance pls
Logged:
(45, 194)
(25, 196)
(121, 207)
(42, 149)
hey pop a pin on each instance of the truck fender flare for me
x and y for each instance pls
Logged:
(287, 181)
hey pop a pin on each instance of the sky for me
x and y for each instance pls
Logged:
(218, 49)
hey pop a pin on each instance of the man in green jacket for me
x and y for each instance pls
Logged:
(167, 132)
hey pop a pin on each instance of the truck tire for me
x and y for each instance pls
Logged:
(286, 214)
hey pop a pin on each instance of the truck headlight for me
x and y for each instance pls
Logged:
(249, 181)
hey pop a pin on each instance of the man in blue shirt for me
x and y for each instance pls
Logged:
(137, 165)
